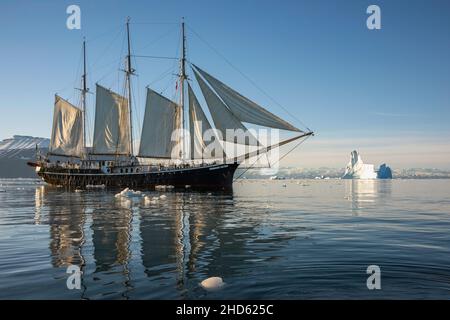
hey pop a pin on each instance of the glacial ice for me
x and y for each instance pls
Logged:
(384, 172)
(357, 169)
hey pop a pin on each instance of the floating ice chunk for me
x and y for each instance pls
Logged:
(213, 283)
(95, 186)
(384, 172)
(128, 193)
(148, 200)
(164, 187)
(357, 169)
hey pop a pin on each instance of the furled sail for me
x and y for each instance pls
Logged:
(243, 108)
(161, 129)
(67, 131)
(200, 129)
(224, 120)
(112, 123)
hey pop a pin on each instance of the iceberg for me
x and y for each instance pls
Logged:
(384, 172)
(357, 169)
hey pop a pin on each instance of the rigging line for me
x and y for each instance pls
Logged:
(295, 147)
(104, 33)
(248, 78)
(137, 114)
(154, 57)
(106, 48)
(151, 43)
(248, 168)
(173, 23)
(162, 76)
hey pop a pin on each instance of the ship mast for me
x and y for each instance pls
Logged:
(84, 90)
(129, 71)
(182, 78)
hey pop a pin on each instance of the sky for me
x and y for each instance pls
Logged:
(385, 93)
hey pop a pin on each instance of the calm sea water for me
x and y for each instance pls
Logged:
(306, 240)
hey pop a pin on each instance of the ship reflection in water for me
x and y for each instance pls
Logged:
(267, 239)
(123, 245)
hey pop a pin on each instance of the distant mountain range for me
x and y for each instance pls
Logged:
(16, 151)
(334, 173)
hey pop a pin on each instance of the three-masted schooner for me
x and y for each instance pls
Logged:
(164, 157)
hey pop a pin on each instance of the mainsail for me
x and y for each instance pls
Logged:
(67, 131)
(224, 120)
(200, 128)
(243, 108)
(112, 123)
(160, 132)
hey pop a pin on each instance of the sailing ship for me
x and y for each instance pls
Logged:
(166, 155)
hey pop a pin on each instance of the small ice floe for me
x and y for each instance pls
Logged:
(164, 187)
(163, 196)
(95, 186)
(129, 193)
(213, 283)
(149, 200)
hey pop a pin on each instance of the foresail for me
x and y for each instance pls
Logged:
(201, 130)
(160, 132)
(112, 123)
(243, 108)
(67, 130)
(224, 120)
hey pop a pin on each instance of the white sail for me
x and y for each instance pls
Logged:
(112, 123)
(224, 120)
(67, 131)
(161, 129)
(199, 127)
(243, 108)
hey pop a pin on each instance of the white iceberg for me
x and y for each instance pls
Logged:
(128, 193)
(212, 284)
(357, 169)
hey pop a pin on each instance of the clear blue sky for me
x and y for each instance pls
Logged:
(384, 92)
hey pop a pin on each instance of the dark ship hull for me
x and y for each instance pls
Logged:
(208, 177)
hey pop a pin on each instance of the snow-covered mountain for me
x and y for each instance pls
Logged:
(8, 147)
(16, 151)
